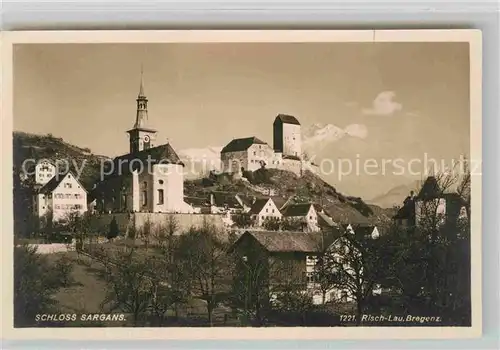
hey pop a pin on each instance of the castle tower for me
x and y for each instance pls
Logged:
(141, 137)
(287, 136)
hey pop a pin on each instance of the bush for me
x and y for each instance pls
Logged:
(113, 229)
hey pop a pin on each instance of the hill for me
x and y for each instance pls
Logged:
(284, 184)
(263, 182)
(31, 146)
(396, 195)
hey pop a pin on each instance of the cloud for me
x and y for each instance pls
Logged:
(384, 104)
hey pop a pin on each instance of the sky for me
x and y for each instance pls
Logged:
(395, 100)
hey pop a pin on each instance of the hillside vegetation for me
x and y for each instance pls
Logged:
(285, 184)
(37, 147)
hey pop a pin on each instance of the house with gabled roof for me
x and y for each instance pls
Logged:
(245, 154)
(432, 203)
(264, 209)
(302, 212)
(61, 195)
(286, 258)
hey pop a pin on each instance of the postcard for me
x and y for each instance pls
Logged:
(195, 184)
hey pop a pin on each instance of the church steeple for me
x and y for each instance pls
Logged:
(142, 106)
(141, 136)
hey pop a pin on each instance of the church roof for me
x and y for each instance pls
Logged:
(287, 119)
(242, 144)
(163, 154)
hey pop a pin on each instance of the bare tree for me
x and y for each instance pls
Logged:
(129, 284)
(204, 255)
(354, 264)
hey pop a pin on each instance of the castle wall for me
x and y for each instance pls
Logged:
(292, 140)
(232, 162)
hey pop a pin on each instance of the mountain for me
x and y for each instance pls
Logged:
(200, 161)
(395, 196)
(317, 136)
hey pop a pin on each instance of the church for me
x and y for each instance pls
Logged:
(149, 178)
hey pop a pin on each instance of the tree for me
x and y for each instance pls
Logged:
(204, 255)
(242, 220)
(324, 280)
(146, 231)
(171, 282)
(36, 281)
(129, 283)
(272, 224)
(292, 224)
(354, 264)
(113, 229)
(429, 263)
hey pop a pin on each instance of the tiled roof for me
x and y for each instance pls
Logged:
(287, 119)
(301, 209)
(163, 153)
(430, 189)
(291, 157)
(242, 144)
(279, 201)
(197, 201)
(287, 241)
(55, 181)
(258, 205)
(223, 199)
(325, 219)
(245, 199)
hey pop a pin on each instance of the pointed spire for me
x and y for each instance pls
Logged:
(141, 88)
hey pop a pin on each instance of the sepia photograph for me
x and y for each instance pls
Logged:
(247, 184)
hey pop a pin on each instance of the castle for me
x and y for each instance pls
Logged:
(251, 153)
(150, 178)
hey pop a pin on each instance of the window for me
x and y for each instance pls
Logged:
(310, 217)
(311, 278)
(57, 206)
(263, 217)
(267, 210)
(254, 153)
(273, 211)
(160, 182)
(160, 196)
(144, 198)
(68, 196)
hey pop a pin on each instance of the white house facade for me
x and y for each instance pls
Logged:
(62, 195)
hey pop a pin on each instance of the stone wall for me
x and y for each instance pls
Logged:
(101, 222)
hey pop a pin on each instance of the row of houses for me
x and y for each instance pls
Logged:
(311, 217)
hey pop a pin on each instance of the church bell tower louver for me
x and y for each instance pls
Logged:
(141, 136)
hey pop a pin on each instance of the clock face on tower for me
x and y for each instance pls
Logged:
(146, 139)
